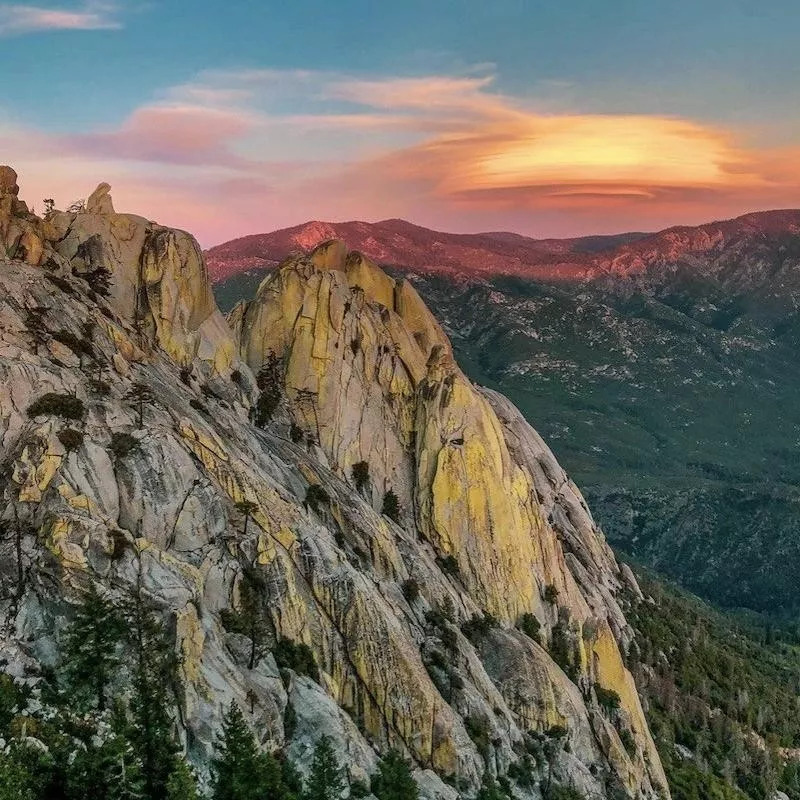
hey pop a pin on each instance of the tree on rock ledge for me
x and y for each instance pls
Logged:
(326, 779)
(239, 770)
(393, 780)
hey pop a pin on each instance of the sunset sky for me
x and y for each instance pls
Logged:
(546, 118)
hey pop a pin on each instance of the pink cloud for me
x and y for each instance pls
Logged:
(172, 135)
(237, 153)
(22, 19)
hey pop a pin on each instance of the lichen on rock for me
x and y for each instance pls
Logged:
(410, 616)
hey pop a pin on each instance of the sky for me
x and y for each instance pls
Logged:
(558, 118)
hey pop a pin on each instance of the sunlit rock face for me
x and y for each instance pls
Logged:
(366, 401)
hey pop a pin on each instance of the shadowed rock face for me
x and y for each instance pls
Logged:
(359, 372)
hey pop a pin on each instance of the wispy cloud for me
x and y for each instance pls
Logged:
(237, 152)
(19, 19)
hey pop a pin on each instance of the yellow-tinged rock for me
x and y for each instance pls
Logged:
(69, 554)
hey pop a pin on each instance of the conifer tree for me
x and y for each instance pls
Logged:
(326, 778)
(91, 645)
(139, 395)
(490, 790)
(239, 770)
(15, 781)
(250, 619)
(246, 509)
(154, 678)
(181, 784)
(111, 770)
(393, 780)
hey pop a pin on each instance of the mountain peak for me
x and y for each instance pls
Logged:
(397, 242)
(320, 463)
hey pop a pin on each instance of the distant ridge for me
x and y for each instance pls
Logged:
(396, 241)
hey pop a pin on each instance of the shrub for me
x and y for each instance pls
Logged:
(361, 475)
(478, 627)
(359, 789)
(122, 444)
(449, 638)
(315, 494)
(561, 650)
(556, 732)
(61, 283)
(410, 590)
(100, 280)
(57, 405)
(550, 593)
(186, 375)
(523, 772)
(198, 406)
(391, 506)
(100, 387)
(70, 438)
(448, 565)
(531, 627)
(478, 730)
(236, 377)
(296, 656)
(435, 618)
(268, 380)
(295, 433)
(607, 699)
(628, 742)
(80, 347)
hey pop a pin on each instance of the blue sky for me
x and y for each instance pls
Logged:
(728, 71)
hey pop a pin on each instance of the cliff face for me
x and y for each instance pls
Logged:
(413, 617)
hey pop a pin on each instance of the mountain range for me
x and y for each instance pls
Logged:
(295, 546)
(662, 368)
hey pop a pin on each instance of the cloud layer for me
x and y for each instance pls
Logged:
(17, 19)
(240, 152)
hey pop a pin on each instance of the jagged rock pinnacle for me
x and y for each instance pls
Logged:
(99, 201)
(8, 181)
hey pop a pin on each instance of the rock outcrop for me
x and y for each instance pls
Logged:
(415, 617)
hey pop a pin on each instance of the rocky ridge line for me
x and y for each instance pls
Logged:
(490, 529)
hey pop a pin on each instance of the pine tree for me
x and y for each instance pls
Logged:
(154, 681)
(15, 781)
(490, 790)
(111, 770)
(326, 778)
(250, 619)
(239, 770)
(246, 509)
(391, 506)
(139, 395)
(181, 784)
(124, 770)
(393, 780)
(91, 645)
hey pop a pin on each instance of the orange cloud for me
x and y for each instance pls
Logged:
(234, 153)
